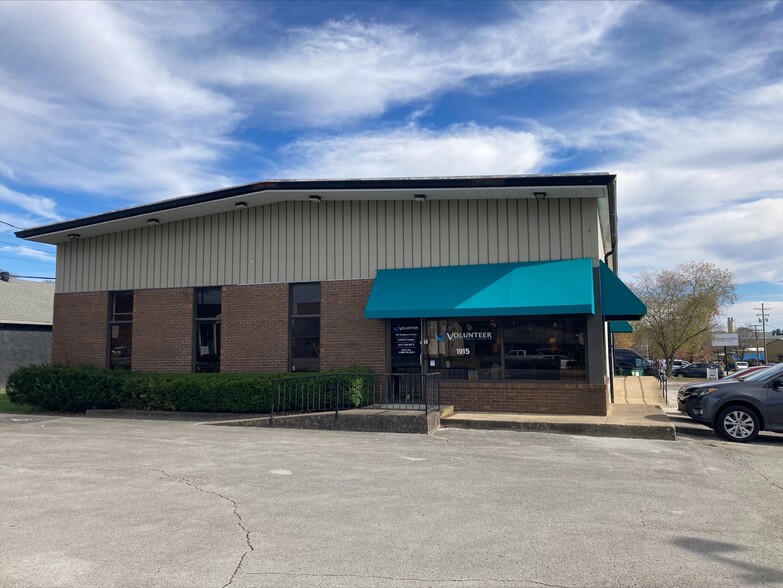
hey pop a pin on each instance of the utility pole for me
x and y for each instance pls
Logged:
(758, 357)
(763, 319)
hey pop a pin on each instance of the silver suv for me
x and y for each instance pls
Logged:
(737, 409)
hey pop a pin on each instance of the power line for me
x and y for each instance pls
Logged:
(27, 246)
(10, 225)
(28, 260)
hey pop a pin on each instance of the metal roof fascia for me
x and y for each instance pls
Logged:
(561, 180)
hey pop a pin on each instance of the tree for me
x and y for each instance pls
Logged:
(682, 306)
(746, 338)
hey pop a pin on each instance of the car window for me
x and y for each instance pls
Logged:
(770, 373)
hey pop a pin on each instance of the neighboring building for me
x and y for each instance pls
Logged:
(25, 324)
(775, 349)
(498, 283)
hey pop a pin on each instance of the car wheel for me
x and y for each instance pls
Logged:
(738, 423)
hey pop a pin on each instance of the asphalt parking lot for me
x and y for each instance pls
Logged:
(104, 502)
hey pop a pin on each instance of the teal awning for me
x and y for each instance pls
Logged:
(501, 289)
(617, 300)
(620, 327)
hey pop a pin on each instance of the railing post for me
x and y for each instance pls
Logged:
(337, 399)
(424, 388)
(275, 391)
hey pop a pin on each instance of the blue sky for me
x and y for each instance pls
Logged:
(106, 105)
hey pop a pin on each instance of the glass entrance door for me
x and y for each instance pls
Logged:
(404, 382)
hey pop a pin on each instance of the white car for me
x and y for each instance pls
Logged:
(741, 365)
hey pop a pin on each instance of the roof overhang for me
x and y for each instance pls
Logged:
(594, 185)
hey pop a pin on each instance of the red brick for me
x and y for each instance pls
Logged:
(525, 397)
(347, 338)
(81, 329)
(163, 328)
(254, 328)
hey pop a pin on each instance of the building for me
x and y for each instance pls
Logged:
(503, 285)
(775, 349)
(25, 323)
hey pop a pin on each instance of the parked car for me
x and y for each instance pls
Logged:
(738, 409)
(679, 363)
(626, 360)
(698, 370)
(741, 365)
(742, 374)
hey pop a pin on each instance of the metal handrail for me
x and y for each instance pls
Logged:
(321, 393)
(344, 391)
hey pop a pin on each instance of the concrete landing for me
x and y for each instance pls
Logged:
(636, 421)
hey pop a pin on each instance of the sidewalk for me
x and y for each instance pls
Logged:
(636, 413)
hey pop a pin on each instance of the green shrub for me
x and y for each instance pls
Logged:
(345, 388)
(201, 392)
(68, 389)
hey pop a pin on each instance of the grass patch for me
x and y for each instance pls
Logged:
(7, 406)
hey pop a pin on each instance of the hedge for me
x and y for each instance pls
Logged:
(76, 389)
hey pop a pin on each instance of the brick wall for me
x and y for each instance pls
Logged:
(163, 330)
(528, 397)
(255, 328)
(347, 338)
(81, 329)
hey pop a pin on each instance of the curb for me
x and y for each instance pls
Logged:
(662, 432)
(165, 415)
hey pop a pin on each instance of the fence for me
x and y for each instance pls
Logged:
(408, 391)
(336, 392)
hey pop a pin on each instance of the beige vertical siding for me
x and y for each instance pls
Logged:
(302, 241)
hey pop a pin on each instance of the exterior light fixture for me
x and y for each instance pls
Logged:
(539, 195)
(240, 205)
(315, 198)
(419, 197)
(153, 221)
(73, 236)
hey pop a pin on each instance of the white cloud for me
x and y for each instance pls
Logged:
(39, 206)
(28, 252)
(413, 151)
(349, 69)
(91, 102)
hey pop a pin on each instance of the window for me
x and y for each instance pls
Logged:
(208, 310)
(545, 348)
(121, 330)
(515, 348)
(465, 349)
(305, 327)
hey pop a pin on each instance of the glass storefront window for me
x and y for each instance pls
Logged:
(544, 349)
(513, 348)
(465, 349)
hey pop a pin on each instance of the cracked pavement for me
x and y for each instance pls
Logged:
(106, 502)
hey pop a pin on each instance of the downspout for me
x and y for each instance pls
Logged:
(610, 341)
